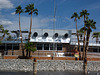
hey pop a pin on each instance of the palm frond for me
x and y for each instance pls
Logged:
(84, 13)
(74, 15)
(19, 9)
(30, 46)
(36, 13)
(1, 27)
(96, 34)
(30, 9)
(90, 24)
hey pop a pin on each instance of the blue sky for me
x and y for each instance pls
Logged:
(64, 10)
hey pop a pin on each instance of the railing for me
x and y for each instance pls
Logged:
(11, 53)
(64, 56)
(40, 54)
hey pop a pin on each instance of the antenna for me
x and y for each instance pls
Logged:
(54, 25)
(54, 17)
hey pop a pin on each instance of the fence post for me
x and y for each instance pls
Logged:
(35, 66)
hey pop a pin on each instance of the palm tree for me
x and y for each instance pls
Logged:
(19, 10)
(5, 32)
(30, 9)
(89, 24)
(1, 27)
(84, 14)
(30, 46)
(75, 15)
(81, 33)
(9, 38)
(96, 35)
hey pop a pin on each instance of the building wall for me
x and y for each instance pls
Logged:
(65, 48)
(51, 36)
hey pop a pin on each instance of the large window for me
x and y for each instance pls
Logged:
(46, 46)
(95, 50)
(59, 46)
(51, 46)
(39, 46)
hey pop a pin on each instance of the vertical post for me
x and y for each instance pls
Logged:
(54, 30)
(6, 48)
(35, 66)
(12, 50)
(85, 66)
(98, 49)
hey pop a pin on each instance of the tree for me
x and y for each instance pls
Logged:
(89, 24)
(30, 9)
(30, 46)
(19, 10)
(1, 28)
(80, 32)
(96, 35)
(84, 14)
(75, 15)
(9, 38)
(4, 32)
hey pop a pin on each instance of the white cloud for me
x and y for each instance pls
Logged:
(45, 20)
(38, 22)
(5, 4)
(13, 13)
(4, 22)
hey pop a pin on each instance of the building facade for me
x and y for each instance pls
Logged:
(48, 42)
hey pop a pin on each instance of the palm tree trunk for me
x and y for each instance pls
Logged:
(30, 33)
(86, 49)
(30, 28)
(78, 42)
(84, 40)
(84, 45)
(21, 38)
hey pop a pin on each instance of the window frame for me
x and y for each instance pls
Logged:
(50, 48)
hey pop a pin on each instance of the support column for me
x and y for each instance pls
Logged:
(35, 66)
